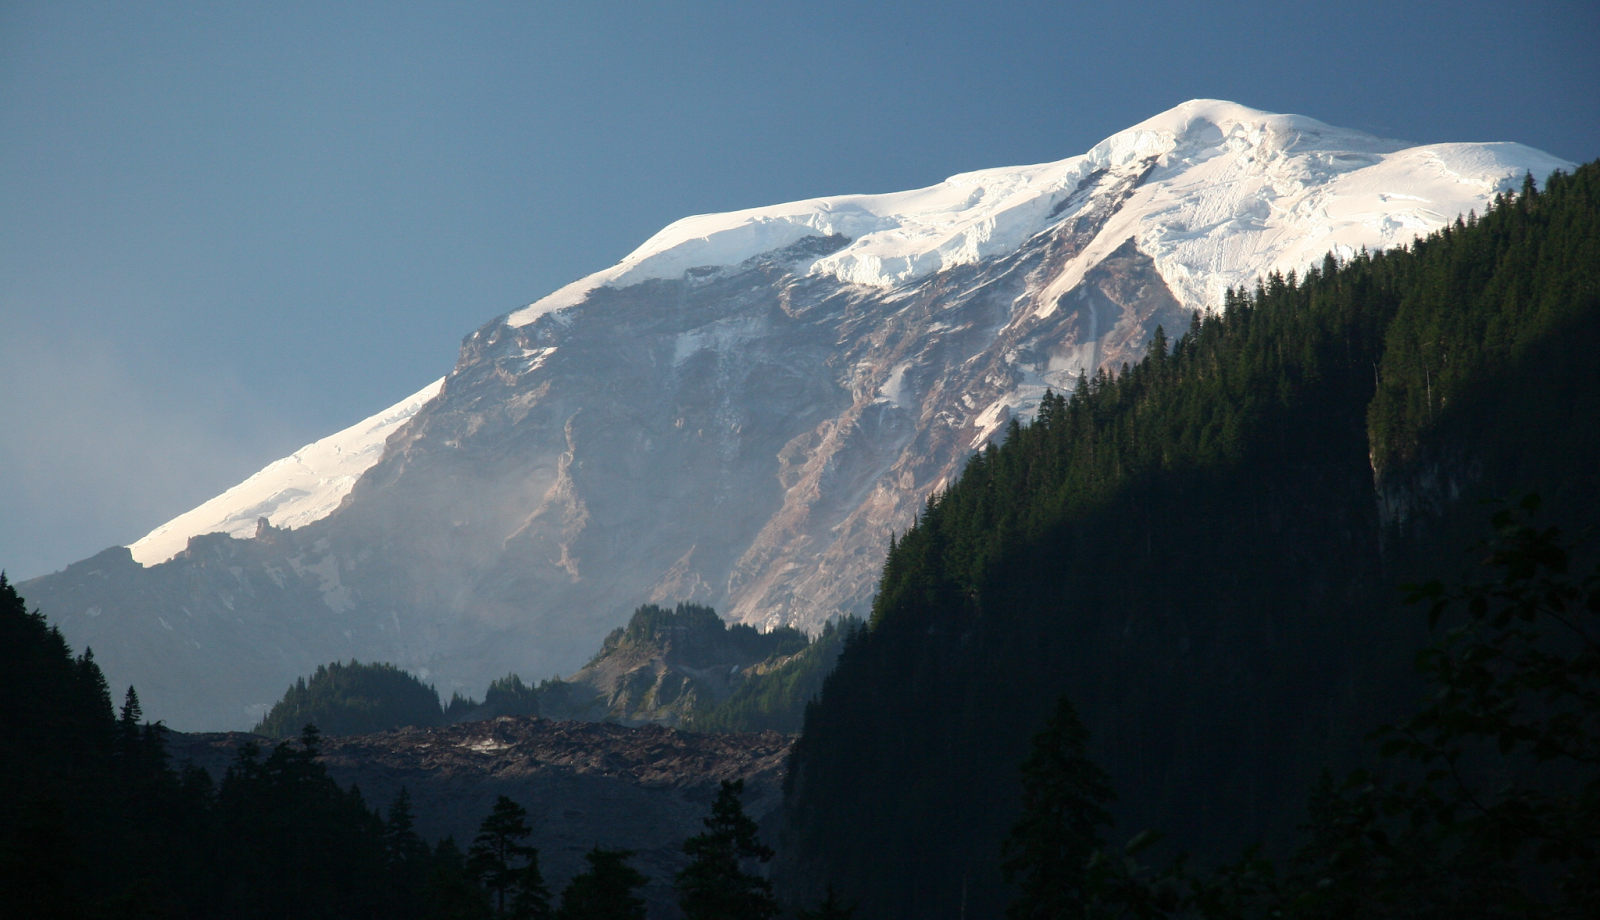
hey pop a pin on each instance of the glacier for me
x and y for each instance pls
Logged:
(1235, 193)
(1232, 194)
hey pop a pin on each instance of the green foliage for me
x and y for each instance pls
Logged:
(54, 717)
(699, 637)
(1063, 808)
(1483, 294)
(1487, 803)
(686, 666)
(494, 859)
(406, 853)
(1492, 804)
(296, 837)
(776, 700)
(604, 891)
(450, 892)
(714, 886)
(1195, 550)
(353, 699)
(507, 696)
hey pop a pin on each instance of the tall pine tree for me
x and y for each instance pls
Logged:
(606, 890)
(1063, 808)
(714, 886)
(506, 865)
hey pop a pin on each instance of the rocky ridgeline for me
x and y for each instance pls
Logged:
(643, 788)
(671, 666)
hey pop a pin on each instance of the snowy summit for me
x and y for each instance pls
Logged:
(1235, 192)
(1227, 194)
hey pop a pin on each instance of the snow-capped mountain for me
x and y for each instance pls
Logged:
(738, 413)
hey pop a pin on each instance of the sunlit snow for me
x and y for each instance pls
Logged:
(1229, 193)
(292, 492)
(1235, 192)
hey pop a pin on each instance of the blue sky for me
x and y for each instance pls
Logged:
(229, 229)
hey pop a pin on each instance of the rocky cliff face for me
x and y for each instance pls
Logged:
(742, 412)
(667, 666)
(583, 783)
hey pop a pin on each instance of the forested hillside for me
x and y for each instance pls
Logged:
(1203, 551)
(353, 699)
(684, 666)
(678, 666)
(95, 822)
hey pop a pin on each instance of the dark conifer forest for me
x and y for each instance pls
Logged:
(96, 822)
(1203, 552)
(775, 700)
(353, 699)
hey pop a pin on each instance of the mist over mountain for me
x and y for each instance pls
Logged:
(739, 414)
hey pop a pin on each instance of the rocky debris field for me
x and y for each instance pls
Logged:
(643, 788)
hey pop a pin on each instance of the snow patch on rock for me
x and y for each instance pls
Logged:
(292, 492)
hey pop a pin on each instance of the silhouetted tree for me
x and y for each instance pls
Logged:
(606, 890)
(497, 857)
(714, 886)
(831, 908)
(1063, 807)
(449, 892)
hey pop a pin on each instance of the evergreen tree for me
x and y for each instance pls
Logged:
(449, 891)
(128, 719)
(1210, 543)
(714, 886)
(399, 833)
(531, 900)
(406, 854)
(1499, 812)
(1063, 807)
(96, 822)
(497, 857)
(776, 699)
(831, 908)
(606, 890)
(353, 699)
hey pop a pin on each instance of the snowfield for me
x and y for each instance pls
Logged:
(1234, 193)
(302, 487)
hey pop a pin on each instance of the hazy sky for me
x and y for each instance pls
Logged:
(230, 229)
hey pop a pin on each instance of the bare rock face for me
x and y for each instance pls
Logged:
(583, 783)
(669, 666)
(743, 437)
